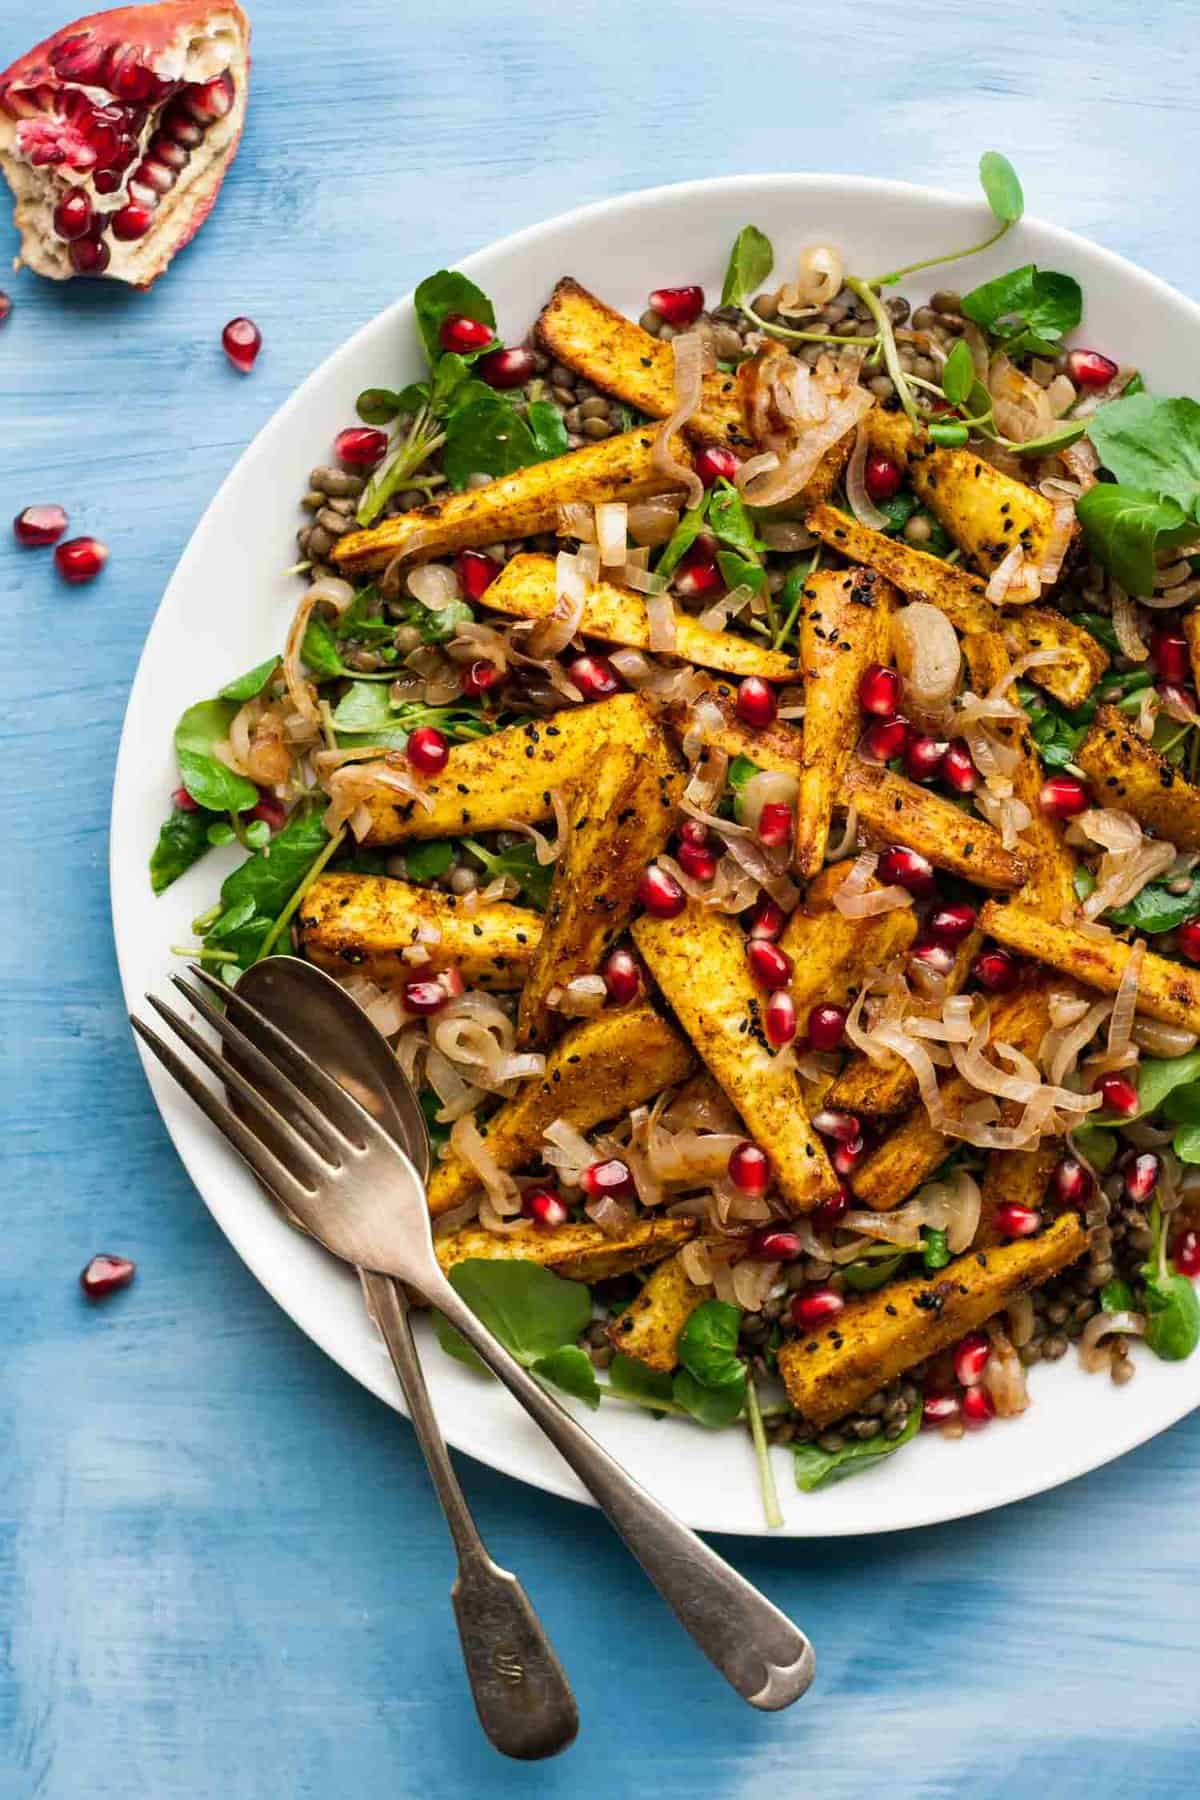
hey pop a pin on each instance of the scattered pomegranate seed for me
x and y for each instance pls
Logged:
(73, 216)
(38, 526)
(80, 559)
(774, 1243)
(183, 800)
(756, 703)
(595, 677)
(697, 861)
(843, 1127)
(1188, 939)
(815, 1307)
(427, 750)
(749, 1168)
(970, 1358)
(5, 306)
(425, 997)
(90, 256)
(715, 463)
(846, 1157)
(510, 368)
(886, 739)
(1017, 1221)
(766, 919)
(827, 1026)
(612, 1178)
(1141, 1177)
(679, 306)
(923, 758)
(907, 869)
(775, 825)
(360, 446)
(1072, 1182)
(952, 923)
(1087, 368)
(828, 1215)
(882, 477)
(779, 1019)
(996, 971)
(1169, 653)
(105, 1274)
(958, 771)
(977, 1408)
(462, 335)
(660, 894)
(1118, 1093)
(622, 977)
(697, 574)
(1186, 1253)
(270, 811)
(770, 966)
(932, 958)
(478, 677)
(1064, 797)
(241, 341)
(475, 573)
(939, 1409)
(879, 690)
(131, 221)
(544, 1207)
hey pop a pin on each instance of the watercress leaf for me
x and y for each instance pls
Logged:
(412, 398)
(487, 436)
(750, 262)
(548, 429)
(182, 840)
(1124, 526)
(681, 539)
(319, 651)
(1096, 1144)
(897, 511)
(1152, 444)
(428, 861)
(364, 708)
(1172, 1312)
(438, 627)
(456, 1346)
(1160, 1076)
(1069, 432)
(453, 385)
(1135, 385)
(715, 1407)
(532, 877)
(1101, 628)
(532, 1311)
(869, 1273)
(1186, 1143)
(632, 1380)
(213, 785)
(444, 293)
(204, 725)
(364, 622)
(377, 406)
(817, 1468)
(730, 521)
(1157, 909)
(958, 375)
(220, 832)
(1027, 309)
(1116, 1296)
(1182, 1106)
(1001, 187)
(252, 683)
(571, 1370)
(231, 921)
(740, 571)
(272, 874)
(707, 1345)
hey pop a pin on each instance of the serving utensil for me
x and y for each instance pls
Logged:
(330, 1163)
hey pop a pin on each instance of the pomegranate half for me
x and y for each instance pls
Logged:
(115, 135)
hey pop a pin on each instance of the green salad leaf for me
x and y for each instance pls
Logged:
(182, 841)
(817, 1468)
(430, 860)
(729, 519)
(707, 1345)
(1157, 909)
(486, 435)
(1152, 443)
(750, 262)
(1123, 528)
(267, 879)
(532, 877)
(442, 294)
(1168, 1299)
(570, 1369)
(958, 374)
(1001, 187)
(715, 1407)
(1057, 731)
(1027, 310)
(1101, 628)
(867, 1273)
(247, 686)
(534, 1313)
(207, 779)
(632, 1380)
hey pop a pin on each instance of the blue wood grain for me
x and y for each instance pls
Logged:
(221, 1572)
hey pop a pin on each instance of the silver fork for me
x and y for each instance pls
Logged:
(352, 1187)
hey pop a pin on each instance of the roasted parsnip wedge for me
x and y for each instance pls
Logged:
(574, 1250)
(596, 1072)
(881, 1089)
(961, 596)
(620, 815)
(367, 922)
(834, 955)
(650, 1325)
(699, 962)
(1014, 1178)
(1191, 631)
(878, 1337)
(1126, 773)
(1082, 660)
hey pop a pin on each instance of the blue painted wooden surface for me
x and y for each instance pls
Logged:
(221, 1572)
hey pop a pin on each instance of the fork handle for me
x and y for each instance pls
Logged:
(522, 1696)
(762, 1655)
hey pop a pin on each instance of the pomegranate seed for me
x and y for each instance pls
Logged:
(815, 1308)
(462, 335)
(660, 894)
(1186, 1253)
(679, 306)
(1016, 1221)
(544, 1207)
(105, 1274)
(178, 124)
(241, 341)
(907, 869)
(169, 154)
(887, 738)
(694, 831)
(775, 825)
(996, 971)
(846, 1157)
(1188, 939)
(951, 924)
(779, 1019)
(451, 982)
(73, 216)
(826, 1026)
(699, 863)
(106, 181)
(270, 812)
(766, 919)
(478, 677)
(958, 771)
(80, 559)
(1064, 797)
(622, 977)
(1118, 1094)
(5, 306)
(37, 526)
(475, 573)
(183, 801)
(360, 446)
(611, 1178)
(80, 57)
(210, 100)
(1087, 368)
(425, 997)
(970, 1358)
(510, 368)
(156, 176)
(1169, 651)
(881, 476)
(770, 966)
(90, 256)
(132, 221)
(828, 1215)
(595, 677)
(879, 691)
(773, 1243)
(697, 574)
(939, 1409)
(749, 1169)
(923, 759)
(1141, 1177)
(843, 1127)
(427, 750)
(715, 463)
(931, 959)
(1072, 1182)
(977, 1408)
(756, 703)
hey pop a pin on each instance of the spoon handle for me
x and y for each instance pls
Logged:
(521, 1694)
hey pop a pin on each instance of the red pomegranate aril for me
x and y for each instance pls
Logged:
(1015, 1221)
(774, 1243)
(775, 825)
(544, 1207)
(694, 831)
(475, 573)
(622, 977)
(425, 997)
(939, 1408)
(1087, 368)
(1141, 1176)
(182, 801)
(697, 575)
(977, 1408)
(1169, 654)
(164, 150)
(749, 1168)
(510, 368)
(1188, 939)
(679, 306)
(828, 1215)
(815, 1307)
(1072, 1182)
(155, 176)
(694, 860)
(241, 341)
(779, 1019)
(995, 971)
(846, 1157)
(932, 959)
(766, 918)
(80, 559)
(827, 1026)
(106, 181)
(885, 739)
(660, 894)
(901, 867)
(209, 100)
(958, 771)
(178, 125)
(923, 758)
(1186, 1253)
(105, 1274)
(1119, 1094)
(881, 477)
(478, 677)
(132, 221)
(38, 526)
(879, 691)
(595, 677)
(611, 1178)
(427, 750)
(970, 1358)
(462, 335)
(770, 966)
(756, 703)
(5, 306)
(73, 216)
(128, 76)
(90, 256)
(360, 446)
(952, 923)
(843, 1127)
(81, 57)
(1064, 797)
(270, 811)
(715, 463)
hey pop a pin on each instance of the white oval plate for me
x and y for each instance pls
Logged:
(227, 606)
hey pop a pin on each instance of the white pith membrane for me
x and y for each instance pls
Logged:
(184, 142)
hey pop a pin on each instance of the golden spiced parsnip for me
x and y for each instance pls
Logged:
(833, 955)
(1127, 774)
(648, 1328)
(369, 922)
(574, 1249)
